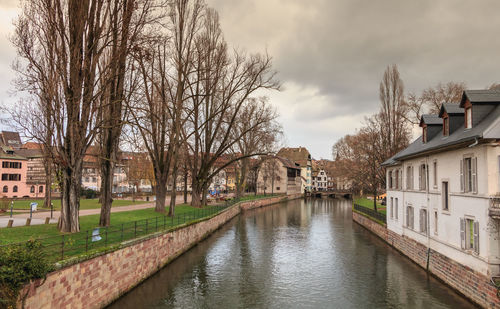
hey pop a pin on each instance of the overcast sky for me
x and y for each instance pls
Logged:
(331, 54)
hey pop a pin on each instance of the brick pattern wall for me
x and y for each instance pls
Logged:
(97, 282)
(464, 280)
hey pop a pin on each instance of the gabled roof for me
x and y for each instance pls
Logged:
(431, 120)
(12, 139)
(481, 96)
(298, 155)
(287, 162)
(450, 109)
(488, 128)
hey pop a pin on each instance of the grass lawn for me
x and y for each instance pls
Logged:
(255, 197)
(84, 203)
(23, 233)
(124, 226)
(361, 201)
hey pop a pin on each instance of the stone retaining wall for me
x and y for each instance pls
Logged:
(471, 284)
(97, 282)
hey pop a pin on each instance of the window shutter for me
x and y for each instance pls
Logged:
(407, 216)
(412, 179)
(476, 237)
(420, 177)
(474, 175)
(400, 179)
(462, 176)
(421, 220)
(462, 232)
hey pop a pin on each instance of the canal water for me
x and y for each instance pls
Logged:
(298, 254)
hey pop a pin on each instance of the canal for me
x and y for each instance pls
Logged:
(299, 254)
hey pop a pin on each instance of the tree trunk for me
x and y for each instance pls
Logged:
(185, 184)
(106, 192)
(161, 194)
(204, 193)
(375, 200)
(70, 201)
(173, 194)
(196, 192)
(48, 184)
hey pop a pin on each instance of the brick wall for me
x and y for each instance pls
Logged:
(97, 282)
(464, 280)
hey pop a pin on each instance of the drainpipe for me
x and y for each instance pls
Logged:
(476, 141)
(428, 231)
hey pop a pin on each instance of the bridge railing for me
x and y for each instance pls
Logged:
(371, 213)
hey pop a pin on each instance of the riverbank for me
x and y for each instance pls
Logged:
(473, 285)
(101, 279)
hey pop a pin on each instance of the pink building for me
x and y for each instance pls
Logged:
(13, 170)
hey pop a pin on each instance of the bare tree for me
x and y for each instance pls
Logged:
(159, 114)
(259, 140)
(430, 100)
(127, 20)
(63, 41)
(394, 126)
(220, 85)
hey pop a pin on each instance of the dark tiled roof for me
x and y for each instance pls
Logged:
(431, 120)
(11, 139)
(299, 155)
(451, 109)
(488, 128)
(287, 162)
(29, 153)
(481, 96)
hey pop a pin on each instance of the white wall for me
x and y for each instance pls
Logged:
(475, 206)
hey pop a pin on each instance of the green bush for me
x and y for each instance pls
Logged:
(18, 265)
(88, 193)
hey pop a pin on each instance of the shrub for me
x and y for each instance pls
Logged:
(19, 264)
(4, 203)
(88, 193)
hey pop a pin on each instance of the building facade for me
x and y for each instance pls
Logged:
(443, 190)
(302, 157)
(279, 175)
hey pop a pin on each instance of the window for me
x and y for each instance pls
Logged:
(390, 179)
(396, 209)
(444, 194)
(435, 173)
(409, 177)
(14, 189)
(11, 177)
(469, 234)
(409, 217)
(7, 164)
(5, 189)
(446, 126)
(468, 118)
(40, 189)
(424, 134)
(468, 175)
(396, 173)
(435, 223)
(392, 207)
(277, 188)
(422, 177)
(32, 189)
(423, 221)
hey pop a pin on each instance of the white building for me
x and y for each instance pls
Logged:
(302, 157)
(442, 189)
(320, 180)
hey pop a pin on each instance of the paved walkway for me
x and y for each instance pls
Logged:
(39, 216)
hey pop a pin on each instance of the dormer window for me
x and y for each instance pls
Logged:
(468, 117)
(446, 126)
(424, 134)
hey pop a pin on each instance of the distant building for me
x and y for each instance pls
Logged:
(13, 174)
(302, 157)
(279, 175)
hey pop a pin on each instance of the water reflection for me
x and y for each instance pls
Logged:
(300, 254)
